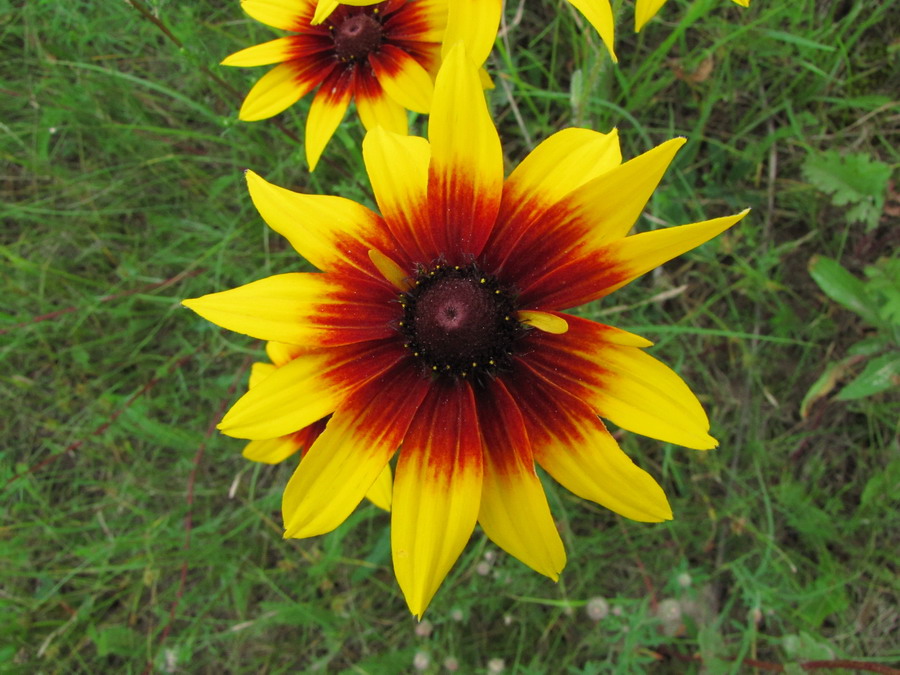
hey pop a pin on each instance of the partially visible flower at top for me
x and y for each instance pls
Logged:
(644, 10)
(276, 450)
(471, 20)
(436, 328)
(383, 56)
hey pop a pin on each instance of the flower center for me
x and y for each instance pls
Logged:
(460, 322)
(356, 36)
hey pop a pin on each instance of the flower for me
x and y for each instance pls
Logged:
(275, 450)
(436, 328)
(473, 20)
(382, 56)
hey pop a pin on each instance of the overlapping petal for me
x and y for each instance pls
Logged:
(307, 389)
(514, 511)
(437, 492)
(279, 89)
(574, 447)
(556, 167)
(347, 459)
(283, 14)
(332, 233)
(473, 23)
(607, 368)
(466, 172)
(594, 271)
(403, 78)
(398, 170)
(599, 210)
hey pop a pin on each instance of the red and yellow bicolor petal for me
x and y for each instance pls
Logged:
(347, 459)
(312, 309)
(607, 368)
(265, 54)
(475, 24)
(403, 78)
(333, 233)
(307, 389)
(283, 14)
(555, 168)
(601, 209)
(281, 87)
(327, 111)
(466, 171)
(377, 109)
(514, 512)
(600, 15)
(398, 170)
(574, 447)
(437, 491)
(594, 272)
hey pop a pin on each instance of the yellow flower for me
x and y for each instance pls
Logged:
(382, 56)
(436, 328)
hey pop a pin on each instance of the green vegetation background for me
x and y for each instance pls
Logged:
(134, 539)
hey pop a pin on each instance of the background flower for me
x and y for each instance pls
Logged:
(381, 56)
(435, 327)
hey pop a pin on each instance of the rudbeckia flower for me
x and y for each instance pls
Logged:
(275, 450)
(382, 56)
(436, 328)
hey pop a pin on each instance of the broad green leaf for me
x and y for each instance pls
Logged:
(880, 374)
(842, 287)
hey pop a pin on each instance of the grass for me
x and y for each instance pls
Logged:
(135, 539)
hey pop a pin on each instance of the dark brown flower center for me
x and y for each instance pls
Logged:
(357, 35)
(460, 322)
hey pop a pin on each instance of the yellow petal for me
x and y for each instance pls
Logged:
(474, 23)
(353, 451)
(377, 109)
(610, 204)
(284, 14)
(330, 232)
(599, 13)
(274, 51)
(398, 170)
(301, 308)
(633, 256)
(292, 397)
(466, 171)
(400, 278)
(437, 491)
(271, 450)
(514, 511)
(573, 446)
(549, 323)
(403, 79)
(259, 372)
(644, 10)
(280, 353)
(273, 93)
(621, 383)
(380, 492)
(325, 113)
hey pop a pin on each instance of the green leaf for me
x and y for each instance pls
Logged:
(827, 381)
(880, 374)
(842, 287)
(855, 180)
(114, 640)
